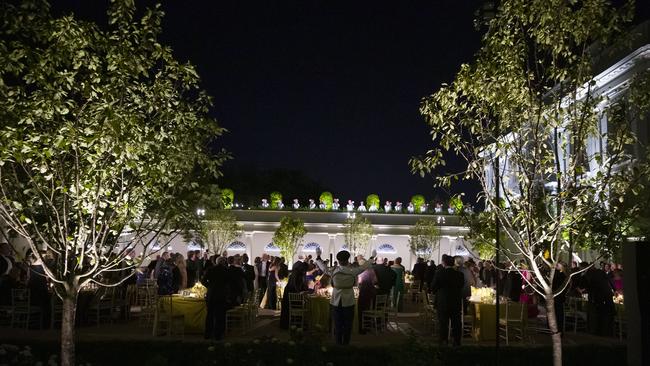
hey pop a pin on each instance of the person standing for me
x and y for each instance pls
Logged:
(398, 292)
(419, 271)
(236, 281)
(342, 301)
(249, 275)
(385, 278)
(272, 295)
(215, 279)
(447, 286)
(192, 268)
(262, 272)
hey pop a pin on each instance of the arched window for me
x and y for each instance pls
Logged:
(192, 245)
(386, 249)
(237, 246)
(310, 247)
(270, 247)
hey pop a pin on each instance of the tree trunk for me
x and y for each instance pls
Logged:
(68, 329)
(556, 336)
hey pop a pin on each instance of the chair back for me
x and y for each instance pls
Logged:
(296, 301)
(515, 311)
(20, 298)
(381, 302)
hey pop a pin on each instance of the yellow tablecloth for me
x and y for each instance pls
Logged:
(485, 317)
(320, 314)
(194, 310)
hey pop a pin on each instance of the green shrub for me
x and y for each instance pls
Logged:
(417, 201)
(276, 198)
(372, 199)
(227, 197)
(327, 199)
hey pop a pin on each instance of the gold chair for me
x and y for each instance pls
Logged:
(574, 314)
(392, 311)
(297, 310)
(102, 306)
(23, 315)
(376, 317)
(514, 319)
(166, 321)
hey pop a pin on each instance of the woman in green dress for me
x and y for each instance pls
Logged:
(398, 289)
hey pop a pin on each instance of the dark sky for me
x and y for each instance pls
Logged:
(329, 88)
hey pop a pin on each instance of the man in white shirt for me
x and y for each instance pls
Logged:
(342, 301)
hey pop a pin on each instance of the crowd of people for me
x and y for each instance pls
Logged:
(230, 280)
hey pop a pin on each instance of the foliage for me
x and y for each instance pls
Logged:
(424, 238)
(456, 202)
(358, 232)
(276, 198)
(417, 201)
(227, 197)
(528, 108)
(219, 229)
(288, 236)
(327, 199)
(482, 233)
(103, 141)
(372, 199)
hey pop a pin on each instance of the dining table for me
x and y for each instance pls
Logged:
(193, 309)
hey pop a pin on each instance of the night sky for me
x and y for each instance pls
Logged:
(328, 88)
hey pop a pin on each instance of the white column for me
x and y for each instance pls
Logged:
(373, 245)
(248, 240)
(332, 245)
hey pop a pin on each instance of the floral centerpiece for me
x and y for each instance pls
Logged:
(618, 299)
(485, 295)
(198, 291)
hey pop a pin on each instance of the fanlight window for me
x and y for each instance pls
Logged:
(270, 247)
(237, 246)
(192, 245)
(386, 249)
(310, 247)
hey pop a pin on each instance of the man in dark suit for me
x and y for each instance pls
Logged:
(216, 280)
(447, 286)
(263, 272)
(249, 275)
(385, 278)
(419, 270)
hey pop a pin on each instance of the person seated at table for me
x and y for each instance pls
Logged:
(295, 285)
(215, 279)
(342, 300)
(447, 286)
(310, 275)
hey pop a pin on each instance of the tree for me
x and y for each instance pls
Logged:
(417, 201)
(288, 236)
(358, 232)
(276, 199)
(327, 199)
(525, 112)
(425, 238)
(372, 199)
(227, 197)
(103, 144)
(218, 230)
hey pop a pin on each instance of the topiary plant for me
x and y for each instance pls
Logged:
(276, 198)
(417, 201)
(227, 197)
(456, 203)
(372, 199)
(327, 199)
